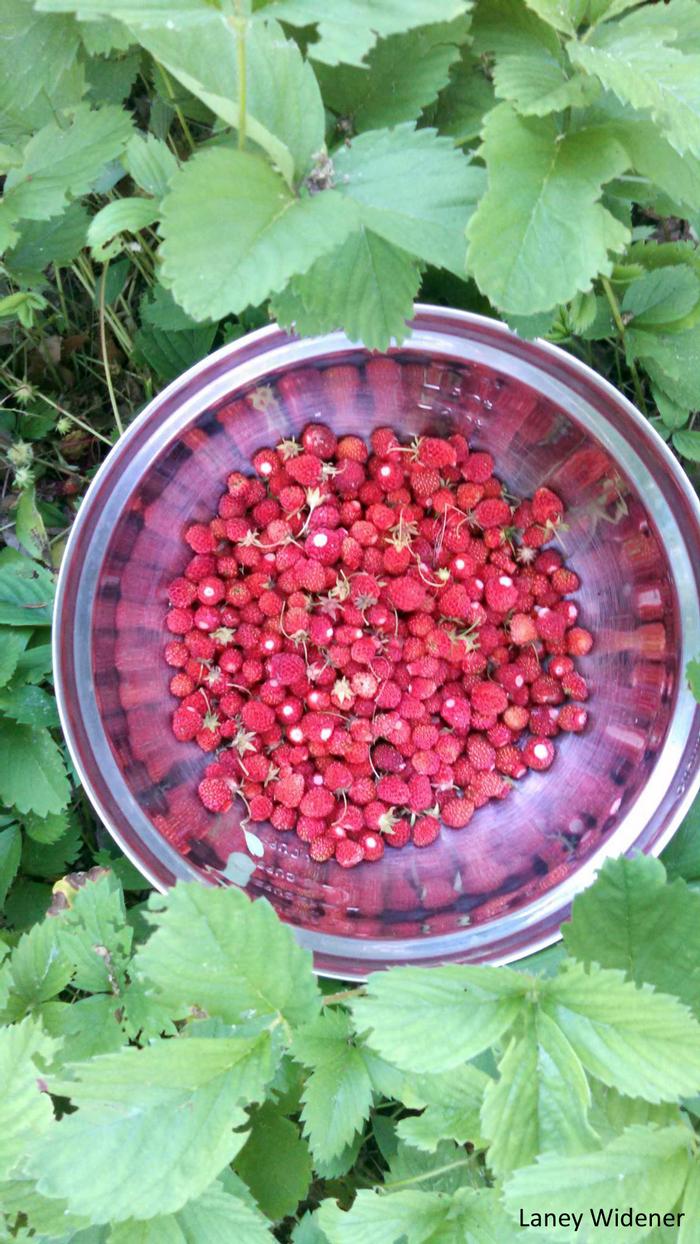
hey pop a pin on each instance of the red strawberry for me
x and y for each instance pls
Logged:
(547, 507)
(433, 451)
(457, 813)
(215, 795)
(372, 846)
(349, 853)
(187, 723)
(425, 831)
(538, 753)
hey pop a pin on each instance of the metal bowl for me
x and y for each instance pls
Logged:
(501, 888)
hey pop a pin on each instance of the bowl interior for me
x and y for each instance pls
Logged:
(512, 852)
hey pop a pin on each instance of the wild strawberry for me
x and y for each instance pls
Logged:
(323, 848)
(547, 507)
(501, 593)
(176, 654)
(574, 686)
(393, 790)
(457, 813)
(546, 690)
(181, 685)
(480, 752)
(317, 802)
(181, 593)
(200, 538)
(424, 481)
(572, 719)
(260, 808)
(579, 641)
(179, 621)
(489, 698)
(372, 846)
(383, 441)
(550, 625)
(478, 468)
(187, 723)
(565, 581)
(397, 834)
(211, 590)
(538, 753)
(492, 512)
(349, 853)
(425, 831)
(352, 448)
(544, 721)
(433, 451)
(284, 819)
(215, 795)
(456, 711)
(318, 439)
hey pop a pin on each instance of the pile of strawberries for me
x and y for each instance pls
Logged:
(372, 641)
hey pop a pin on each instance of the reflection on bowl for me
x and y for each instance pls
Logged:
(500, 888)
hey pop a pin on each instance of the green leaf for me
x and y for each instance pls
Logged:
(119, 216)
(612, 1112)
(11, 648)
(63, 160)
(150, 163)
(54, 860)
(469, 1007)
(672, 360)
(662, 296)
(27, 902)
(652, 155)
(29, 525)
(10, 852)
(563, 15)
(645, 1166)
(275, 1163)
(687, 444)
(32, 774)
(254, 964)
(537, 83)
(690, 1206)
(412, 1216)
(539, 1103)
(94, 924)
(348, 29)
(338, 1092)
(168, 353)
(681, 858)
(461, 107)
(46, 829)
(632, 920)
(38, 969)
(271, 235)
(284, 112)
(216, 1217)
(25, 1111)
(87, 1027)
(402, 75)
(672, 416)
(452, 1103)
(57, 241)
(539, 234)
(47, 1218)
(622, 1033)
(26, 592)
(39, 68)
(31, 706)
(153, 1128)
(507, 28)
(644, 72)
(366, 287)
(413, 188)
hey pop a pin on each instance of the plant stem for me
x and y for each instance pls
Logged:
(620, 326)
(178, 111)
(343, 995)
(103, 349)
(10, 379)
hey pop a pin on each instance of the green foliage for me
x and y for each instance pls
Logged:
(182, 1131)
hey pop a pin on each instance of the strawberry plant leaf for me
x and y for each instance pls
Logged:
(271, 234)
(275, 1163)
(95, 936)
(348, 29)
(153, 1127)
(659, 297)
(461, 107)
(403, 74)
(254, 965)
(672, 360)
(409, 1215)
(470, 1007)
(29, 99)
(42, 242)
(216, 1216)
(10, 853)
(652, 155)
(539, 1104)
(690, 1205)
(150, 163)
(12, 647)
(54, 860)
(29, 525)
(338, 1092)
(640, 67)
(168, 352)
(37, 969)
(25, 1112)
(619, 1032)
(86, 1028)
(366, 287)
(537, 83)
(612, 1112)
(681, 858)
(509, 28)
(31, 706)
(62, 161)
(631, 920)
(688, 444)
(452, 1103)
(643, 1166)
(413, 188)
(284, 112)
(549, 208)
(32, 773)
(127, 215)
(26, 591)
(46, 829)
(564, 15)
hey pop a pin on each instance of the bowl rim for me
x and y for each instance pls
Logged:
(345, 957)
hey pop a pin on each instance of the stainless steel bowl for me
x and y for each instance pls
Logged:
(499, 889)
